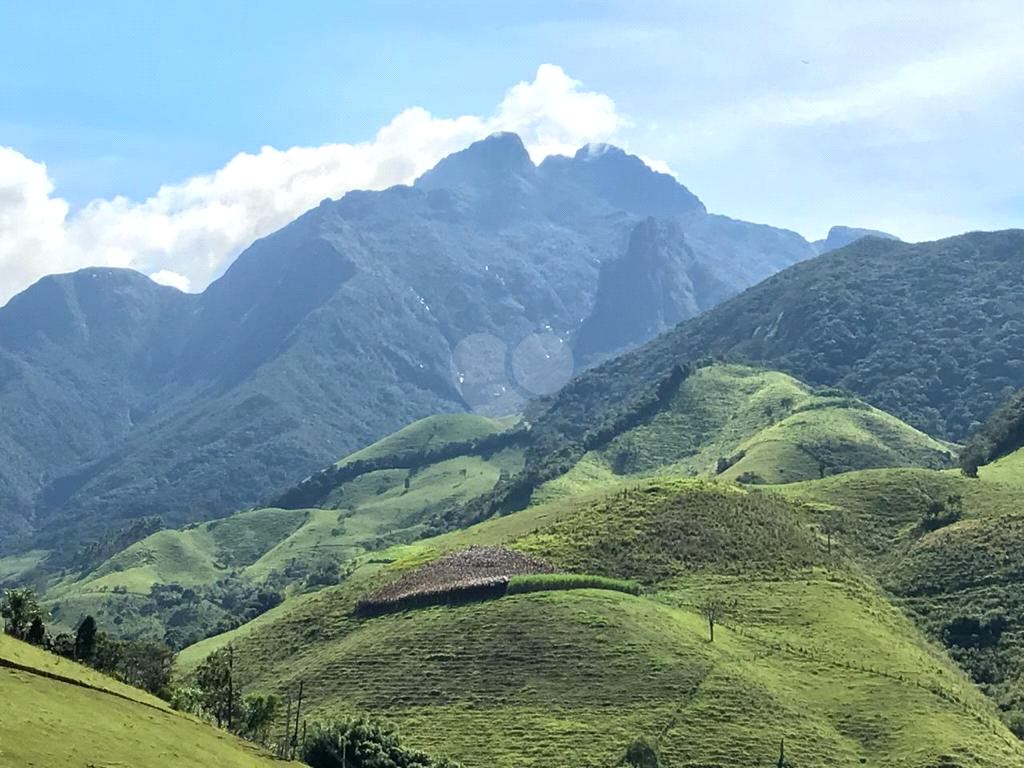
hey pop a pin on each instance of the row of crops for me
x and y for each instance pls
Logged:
(475, 574)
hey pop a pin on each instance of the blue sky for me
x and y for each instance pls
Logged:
(135, 133)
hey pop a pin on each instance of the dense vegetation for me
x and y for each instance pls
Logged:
(120, 398)
(147, 666)
(1000, 435)
(932, 333)
(360, 743)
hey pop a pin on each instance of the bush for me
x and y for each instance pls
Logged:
(641, 754)
(361, 743)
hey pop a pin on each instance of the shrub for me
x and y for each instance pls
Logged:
(360, 743)
(641, 754)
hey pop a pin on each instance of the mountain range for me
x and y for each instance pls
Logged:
(122, 399)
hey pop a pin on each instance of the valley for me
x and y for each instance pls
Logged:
(775, 509)
(833, 540)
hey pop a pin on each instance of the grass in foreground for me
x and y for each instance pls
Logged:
(47, 722)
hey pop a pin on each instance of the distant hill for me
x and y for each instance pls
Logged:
(932, 333)
(121, 399)
(840, 237)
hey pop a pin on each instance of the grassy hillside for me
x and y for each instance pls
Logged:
(808, 651)
(949, 549)
(741, 423)
(213, 567)
(770, 427)
(84, 718)
(426, 434)
(729, 421)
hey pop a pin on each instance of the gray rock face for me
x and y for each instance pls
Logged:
(840, 237)
(120, 398)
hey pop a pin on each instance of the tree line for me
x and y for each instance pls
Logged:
(141, 664)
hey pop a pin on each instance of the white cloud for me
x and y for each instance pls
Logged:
(173, 279)
(187, 233)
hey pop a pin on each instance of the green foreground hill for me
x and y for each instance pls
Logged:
(949, 550)
(808, 650)
(55, 712)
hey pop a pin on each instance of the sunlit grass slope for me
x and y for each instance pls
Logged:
(366, 513)
(49, 722)
(960, 577)
(738, 422)
(429, 433)
(810, 651)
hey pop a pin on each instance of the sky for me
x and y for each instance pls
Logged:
(166, 137)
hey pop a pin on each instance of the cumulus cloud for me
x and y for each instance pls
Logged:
(187, 233)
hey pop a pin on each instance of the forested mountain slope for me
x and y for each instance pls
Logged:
(931, 332)
(120, 399)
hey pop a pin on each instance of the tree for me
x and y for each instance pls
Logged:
(832, 525)
(258, 715)
(641, 754)
(360, 743)
(149, 666)
(713, 607)
(215, 679)
(36, 634)
(85, 640)
(20, 609)
(63, 645)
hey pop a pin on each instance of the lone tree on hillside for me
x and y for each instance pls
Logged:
(713, 607)
(641, 753)
(832, 525)
(20, 609)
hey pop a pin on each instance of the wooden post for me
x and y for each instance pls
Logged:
(287, 728)
(231, 686)
(298, 710)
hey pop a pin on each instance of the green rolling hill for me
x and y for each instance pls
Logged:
(55, 712)
(855, 568)
(809, 649)
(206, 570)
(728, 421)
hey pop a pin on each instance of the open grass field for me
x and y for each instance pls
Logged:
(809, 650)
(366, 514)
(51, 722)
(429, 433)
(769, 427)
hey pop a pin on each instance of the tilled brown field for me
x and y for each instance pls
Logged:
(477, 573)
